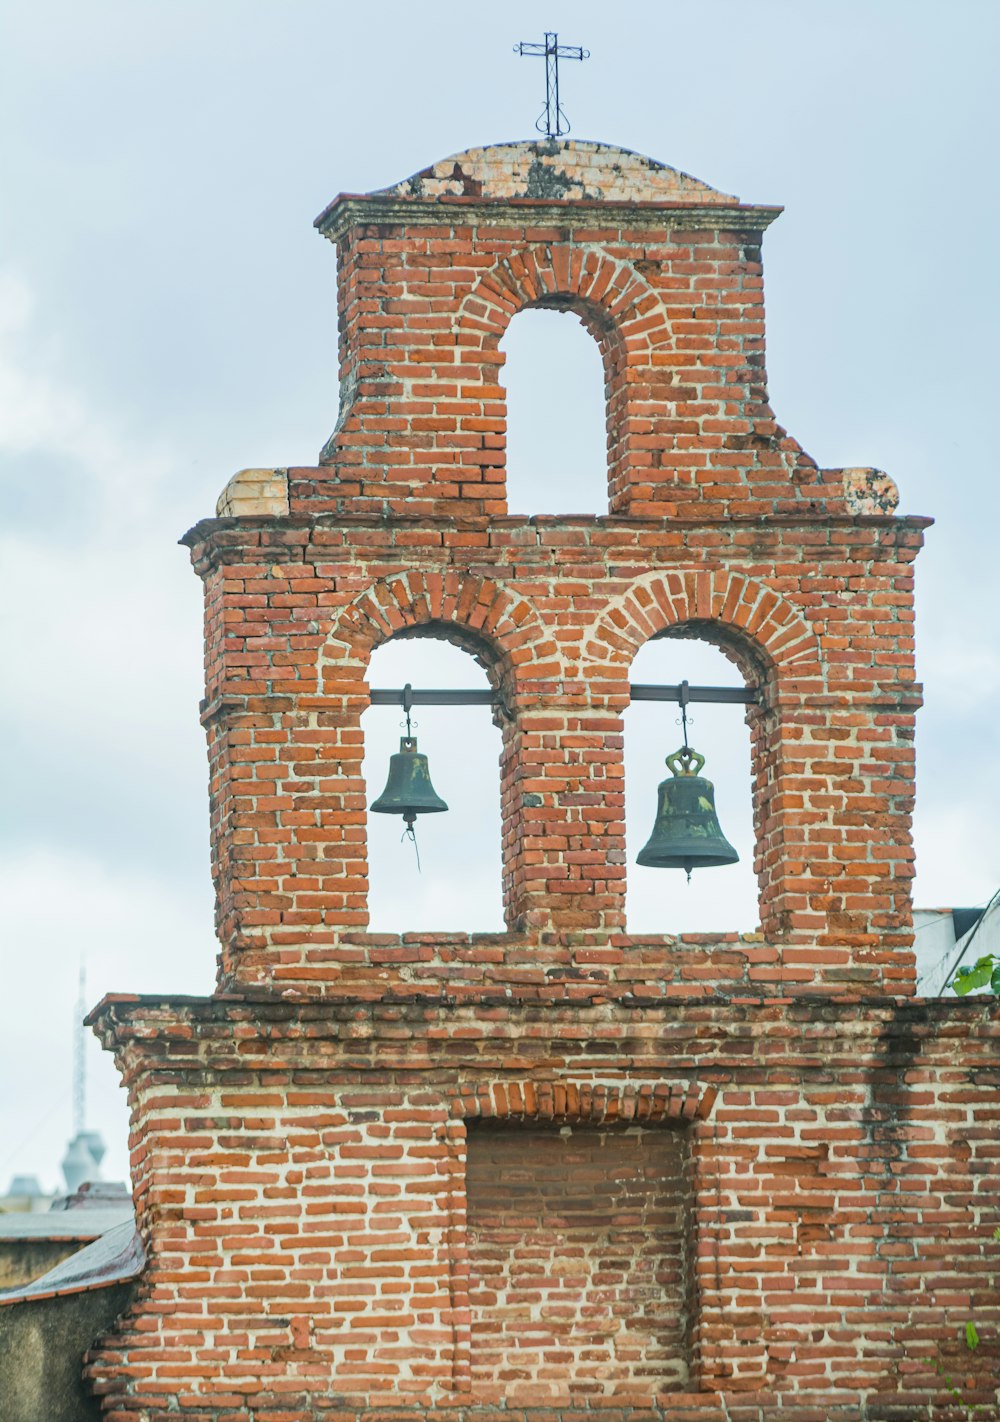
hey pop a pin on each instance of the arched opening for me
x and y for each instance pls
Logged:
(457, 886)
(557, 420)
(721, 898)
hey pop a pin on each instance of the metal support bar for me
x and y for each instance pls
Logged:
(732, 695)
(685, 694)
(434, 698)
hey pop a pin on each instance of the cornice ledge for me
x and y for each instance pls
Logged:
(359, 209)
(206, 530)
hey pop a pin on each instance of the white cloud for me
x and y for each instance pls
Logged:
(42, 413)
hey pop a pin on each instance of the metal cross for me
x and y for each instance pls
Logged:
(552, 121)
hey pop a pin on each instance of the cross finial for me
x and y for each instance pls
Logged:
(552, 121)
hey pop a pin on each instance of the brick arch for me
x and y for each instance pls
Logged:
(606, 292)
(500, 627)
(757, 623)
(617, 305)
(596, 1103)
(777, 650)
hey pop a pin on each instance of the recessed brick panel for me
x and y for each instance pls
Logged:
(578, 1246)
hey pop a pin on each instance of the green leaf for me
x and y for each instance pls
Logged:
(969, 979)
(971, 1336)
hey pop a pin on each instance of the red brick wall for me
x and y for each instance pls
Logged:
(301, 1173)
(321, 1242)
(580, 1241)
(675, 302)
(818, 615)
(719, 526)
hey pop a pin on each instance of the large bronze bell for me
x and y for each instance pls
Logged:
(408, 790)
(686, 834)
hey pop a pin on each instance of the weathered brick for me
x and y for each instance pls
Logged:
(559, 1170)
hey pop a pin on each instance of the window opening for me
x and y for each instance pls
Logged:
(717, 899)
(557, 460)
(457, 887)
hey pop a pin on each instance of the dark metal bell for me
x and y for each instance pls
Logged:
(686, 834)
(408, 790)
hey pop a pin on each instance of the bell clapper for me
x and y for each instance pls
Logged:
(411, 834)
(687, 755)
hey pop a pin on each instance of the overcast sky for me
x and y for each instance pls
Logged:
(168, 316)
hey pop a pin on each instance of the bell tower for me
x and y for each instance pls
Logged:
(558, 1166)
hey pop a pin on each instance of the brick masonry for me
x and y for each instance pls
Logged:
(578, 1240)
(559, 1167)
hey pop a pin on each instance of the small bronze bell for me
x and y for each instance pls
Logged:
(408, 790)
(686, 834)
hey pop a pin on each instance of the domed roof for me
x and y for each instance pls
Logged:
(555, 170)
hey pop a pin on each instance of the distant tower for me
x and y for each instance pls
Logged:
(86, 1149)
(79, 1055)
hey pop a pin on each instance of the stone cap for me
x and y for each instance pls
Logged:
(555, 179)
(254, 493)
(551, 169)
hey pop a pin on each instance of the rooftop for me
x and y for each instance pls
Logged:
(117, 1255)
(63, 1224)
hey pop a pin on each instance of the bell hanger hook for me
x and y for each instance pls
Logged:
(686, 756)
(684, 698)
